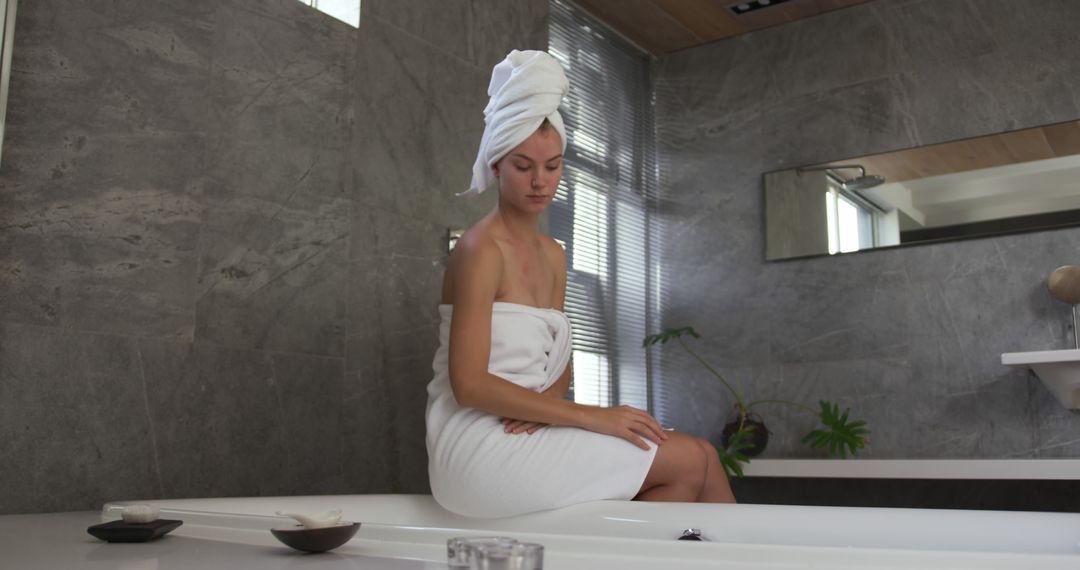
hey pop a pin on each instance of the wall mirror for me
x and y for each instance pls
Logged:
(1009, 182)
(7, 43)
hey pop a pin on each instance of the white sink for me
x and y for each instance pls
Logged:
(1058, 369)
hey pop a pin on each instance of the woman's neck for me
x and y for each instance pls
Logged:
(520, 226)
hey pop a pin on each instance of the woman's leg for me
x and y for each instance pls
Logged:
(677, 473)
(716, 489)
(686, 469)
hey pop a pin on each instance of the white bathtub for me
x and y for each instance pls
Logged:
(627, 536)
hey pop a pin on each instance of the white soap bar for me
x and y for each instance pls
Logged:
(329, 518)
(140, 513)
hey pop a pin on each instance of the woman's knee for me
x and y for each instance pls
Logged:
(681, 459)
(712, 455)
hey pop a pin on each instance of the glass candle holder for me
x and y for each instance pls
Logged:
(517, 556)
(458, 554)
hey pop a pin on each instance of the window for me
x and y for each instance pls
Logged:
(347, 11)
(603, 209)
(851, 225)
(856, 222)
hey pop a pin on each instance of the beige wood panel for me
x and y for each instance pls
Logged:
(665, 26)
(1064, 138)
(1051, 141)
(644, 22)
(703, 18)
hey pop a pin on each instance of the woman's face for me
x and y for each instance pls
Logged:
(529, 174)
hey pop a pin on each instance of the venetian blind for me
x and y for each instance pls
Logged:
(603, 209)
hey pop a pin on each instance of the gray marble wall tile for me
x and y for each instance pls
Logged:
(73, 421)
(411, 269)
(274, 276)
(419, 118)
(369, 451)
(910, 338)
(241, 423)
(937, 31)
(272, 257)
(252, 198)
(312, 418)
(125, 67)
(478, 32)
(370, 457)
(99, 164)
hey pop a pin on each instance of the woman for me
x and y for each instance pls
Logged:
(502, 440)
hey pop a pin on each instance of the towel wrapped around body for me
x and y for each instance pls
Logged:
(476, 469)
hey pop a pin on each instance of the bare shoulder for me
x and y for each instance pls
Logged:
(478, 241)
(475, 267)
(554, 252)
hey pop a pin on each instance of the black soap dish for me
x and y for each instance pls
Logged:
(316, 539)
(120, 531)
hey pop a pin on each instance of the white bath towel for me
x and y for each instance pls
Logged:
(476, 469)
(525, 89)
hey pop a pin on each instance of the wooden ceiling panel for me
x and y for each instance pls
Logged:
(644, 22)
(1064, 138)
(665, 26)
(1038, 143)
(705, 18)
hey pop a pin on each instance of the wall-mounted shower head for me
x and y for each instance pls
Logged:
(860, 182)
(863, 182)
(853, 186)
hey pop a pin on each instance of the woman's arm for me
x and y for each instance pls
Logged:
(476, 267)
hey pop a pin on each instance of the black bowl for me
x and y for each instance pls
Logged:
(316, 539)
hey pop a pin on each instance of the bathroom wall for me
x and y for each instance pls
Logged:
(909, 338)
(222, 234)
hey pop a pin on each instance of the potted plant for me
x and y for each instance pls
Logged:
(746, 435)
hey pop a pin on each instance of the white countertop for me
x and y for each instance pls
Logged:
(1047, 469)
(743, 537)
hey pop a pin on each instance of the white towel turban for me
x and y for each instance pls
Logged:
(525, 89)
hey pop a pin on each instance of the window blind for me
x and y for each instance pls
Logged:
(604, 207)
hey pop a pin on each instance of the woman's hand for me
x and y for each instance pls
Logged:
(628, 423)
(515, 427)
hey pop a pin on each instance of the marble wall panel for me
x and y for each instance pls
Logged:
(272, 257)
(419, 118)
(122, 67)
(480, 33)
(412, 273)
(252, 199)
(243, 423)
(910, 338)
(275, 276)
(73, 420)
(369, 450)
(119, 261)
(312, 408)
(101, 167)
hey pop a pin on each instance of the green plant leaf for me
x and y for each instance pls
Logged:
(840, 436)
(732, 456)
(669, 335)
